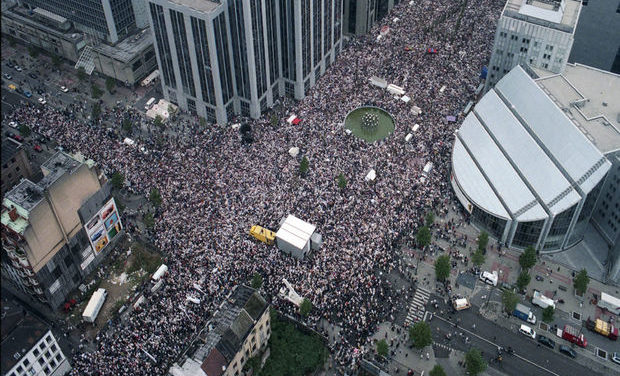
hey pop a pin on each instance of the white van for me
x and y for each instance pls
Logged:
(526, 330)
(489, 277)
(149, 103)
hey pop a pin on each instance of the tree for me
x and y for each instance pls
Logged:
(523, 280)
(442, 267)
(96, 91)
(81, 73)
(474, 362)
(528, 258)
(305, 307)
(148, 220)
(110, 83)
(202, 121)
(33, 51)
(117, 180)
(342, 182)
(510, 300)
(581, 282)
(382, 348)
(127, 125)
(420, 334)
(155, 197)
(24, 130)
(429, 219)
(274, 120)
(548, 314)
(257, 281)
(96, 111)
(423, 237)
(159, 121)
(56, 61)
(477, 258)
(437, 371)
(304, 165)
(483, 240)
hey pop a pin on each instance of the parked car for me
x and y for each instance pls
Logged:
(615, 357)
(42, 101)
(40, 92)
(27, 94)
(7, 76)
(568, 351)
(38, 148)
(10, 64)
(34, 76)
(64, 89)
(13, 124)
(527, 331)
(18, 138)
(18, 68)
(546, 341)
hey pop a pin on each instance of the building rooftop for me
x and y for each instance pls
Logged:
(518, 153)
(225, 333)
(556, 14)
(127, 49)
(55, 167)
(20, 331)
(589, 98)
(24, 196)
(199, 5)
(24, 16)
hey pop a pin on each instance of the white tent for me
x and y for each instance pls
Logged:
(415, 127)
(408, 137)
(379, 82)
(405, 99)
(129, 141)
(372, 174)
(291, 118)
(236, 126)
(442, 89)
(416, 110)
(396, 90)
(294, 151)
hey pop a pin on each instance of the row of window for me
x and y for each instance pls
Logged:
(48, 359)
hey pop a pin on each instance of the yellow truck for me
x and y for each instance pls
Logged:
(263, 234)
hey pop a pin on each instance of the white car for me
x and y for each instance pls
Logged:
(18, 68)
(527, 331)
(13, 124)
(615, 357)
(64, 89)
(42, 101)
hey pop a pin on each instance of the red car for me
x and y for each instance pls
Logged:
(38, 148)
(18, 138)
(69, 304)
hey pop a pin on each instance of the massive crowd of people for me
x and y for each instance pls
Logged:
(214, 187)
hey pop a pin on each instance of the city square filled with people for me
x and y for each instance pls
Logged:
(214, 187)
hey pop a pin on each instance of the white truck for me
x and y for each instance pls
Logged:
(542, 301)
(94, 305)
(610, 303)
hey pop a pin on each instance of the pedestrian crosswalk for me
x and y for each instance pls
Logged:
(417, 306)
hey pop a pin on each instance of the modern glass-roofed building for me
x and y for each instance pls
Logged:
(523, 168)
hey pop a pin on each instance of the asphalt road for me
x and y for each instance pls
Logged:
(528, 358)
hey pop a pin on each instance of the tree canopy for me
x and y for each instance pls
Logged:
(429, 219)
(528, 258)
(117, 180)
(548, 314)
(155, 197)
(510, 300)
(581, 281)
(342, 181)
(257, 281)
(483, 240)
(305, 307)
(478, 257)
(420, 334)
(382, 347)
(304, 165)
(442, 267)
(423, 237)
(437, 371)
(523, 280)
(474, 362)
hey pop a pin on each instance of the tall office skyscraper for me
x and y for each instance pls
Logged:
(536, 33)
(220, 58)
(110, 20)
(361, 15)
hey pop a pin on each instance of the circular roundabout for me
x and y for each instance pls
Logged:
(369, 123)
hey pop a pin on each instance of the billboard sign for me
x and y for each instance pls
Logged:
(103, 226)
